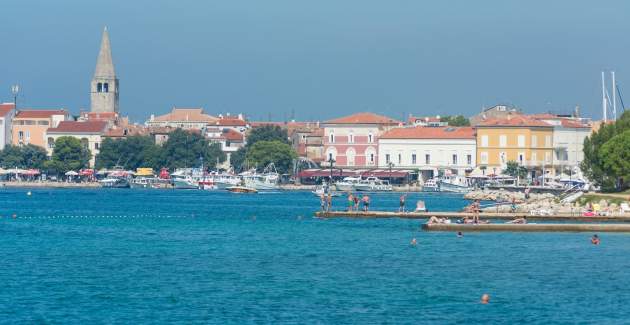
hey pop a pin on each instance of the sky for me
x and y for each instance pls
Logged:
(316, 60)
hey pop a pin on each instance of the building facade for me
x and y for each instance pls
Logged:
(518, 138)
(429, 149)
(30, 125)
(104, 90)
(184, 118)
(7, 113)
(352, 141)
(89, 133)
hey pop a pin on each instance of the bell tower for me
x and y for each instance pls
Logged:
(104, 86)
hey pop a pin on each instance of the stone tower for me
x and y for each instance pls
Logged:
(104, 87)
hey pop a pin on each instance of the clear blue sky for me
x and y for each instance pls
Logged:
(321, 58)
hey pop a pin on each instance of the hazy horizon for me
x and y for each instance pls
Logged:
(317, 59)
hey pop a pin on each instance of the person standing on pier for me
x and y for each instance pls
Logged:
(366, 203)
(329, 202)
(401, 208)
(322, 202)
(350, 201)
(476, 207)
(356, 202)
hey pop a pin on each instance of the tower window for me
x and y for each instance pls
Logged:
(99, 87)
(105, 87)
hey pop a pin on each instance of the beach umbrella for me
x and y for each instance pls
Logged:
(71, 173)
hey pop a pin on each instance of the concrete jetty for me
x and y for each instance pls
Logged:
(483, 215)
(540, 227)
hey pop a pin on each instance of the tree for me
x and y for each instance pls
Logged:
(29, 156)
(267, 133)
(262, 153)
(130, 153)
(69, 154)
(237, 159)
(513, 169)
(594, 165)
(184, 149)
(615, 155)
(455, 120)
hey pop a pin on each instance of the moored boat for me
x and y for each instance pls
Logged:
(430, 185)
(241, 189)
(347, 184)
(373, 184)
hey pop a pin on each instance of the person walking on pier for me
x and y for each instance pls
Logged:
(366, 203)
(401, 208)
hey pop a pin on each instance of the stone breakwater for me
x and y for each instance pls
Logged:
(544, 203)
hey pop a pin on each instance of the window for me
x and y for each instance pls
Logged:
(332, 138)
(370, 138)
(42, 123)
(96, 146)
(387, 158)
(547, 141)
(330, 158)
(427, 159)
(521, 141)
(105, 87)
(351, 138)
(51, 143)
(413, 158)
(484, 157)
(534, 141)
(371, 158)
(469, 159)
(29, 122)
(99, 87)
(28, 135)
(502, 140)
(534, 158)
(547, 157)
(454, 159)
(399, 159)
(484, 140)
(21, 135)
(521, 157)
(502, 158)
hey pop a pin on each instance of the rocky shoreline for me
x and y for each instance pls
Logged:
(543, 203)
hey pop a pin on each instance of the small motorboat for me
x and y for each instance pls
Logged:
(241, 189)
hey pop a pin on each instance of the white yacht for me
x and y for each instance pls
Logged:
(268, 180)
(347, 184)
(225, 180)
(373, 184)
(430, 185)
(454, 183)
(187, 178)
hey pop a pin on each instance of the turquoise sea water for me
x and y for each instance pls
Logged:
(135, 256)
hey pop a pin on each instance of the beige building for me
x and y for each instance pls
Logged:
(90, 133)
(185, 118)
(30, 125)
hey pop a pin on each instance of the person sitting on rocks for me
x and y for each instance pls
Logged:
(521, 221)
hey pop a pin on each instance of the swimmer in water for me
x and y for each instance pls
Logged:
(460, 234)
(485, 298)
(414, 242)
(595, 240)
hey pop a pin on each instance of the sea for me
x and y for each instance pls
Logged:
(127, 256)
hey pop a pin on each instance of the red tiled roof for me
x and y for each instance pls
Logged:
(231, 122)
(79, 127)
(513, 121)
(364, 118)
(421, 132)
(573, 124)
(543, 116)
(6, 108)
(39, 113)
(232, 135)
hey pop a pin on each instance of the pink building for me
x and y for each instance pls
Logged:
(352, 141)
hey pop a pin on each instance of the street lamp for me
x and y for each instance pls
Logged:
(331, 161)
(390, 164)
(15, 89)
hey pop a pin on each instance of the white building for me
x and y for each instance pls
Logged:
(185, 118)
(429, 149)
(7, 112)
(89, 133)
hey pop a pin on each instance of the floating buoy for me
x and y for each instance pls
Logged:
(28, 193)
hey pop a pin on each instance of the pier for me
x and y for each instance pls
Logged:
(483, 215)
(540, 227)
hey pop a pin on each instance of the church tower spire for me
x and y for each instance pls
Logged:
(104, 86)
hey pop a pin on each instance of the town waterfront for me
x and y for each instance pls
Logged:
(142, 256)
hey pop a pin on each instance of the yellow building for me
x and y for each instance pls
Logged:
(515, 138)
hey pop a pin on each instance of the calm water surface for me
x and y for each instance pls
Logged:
(134, 256)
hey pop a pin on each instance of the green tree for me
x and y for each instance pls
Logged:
(594, 164)
(455, 120)
(237, 159)
(130, 153)
(34, 156)
(513, 169)
(615, 155)
(11, 157)
(262, 153)
(184, 149)
(267, 133)
(68, 155)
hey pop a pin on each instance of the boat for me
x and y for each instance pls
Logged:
(454, 183)
(187, 178)
(241, 189)
(115, 182)
(268, 180)
(347, 184)
(373, 184)
(143, 182)
(430, 185)
(224, 180)
(207, 184)
(325, 190)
